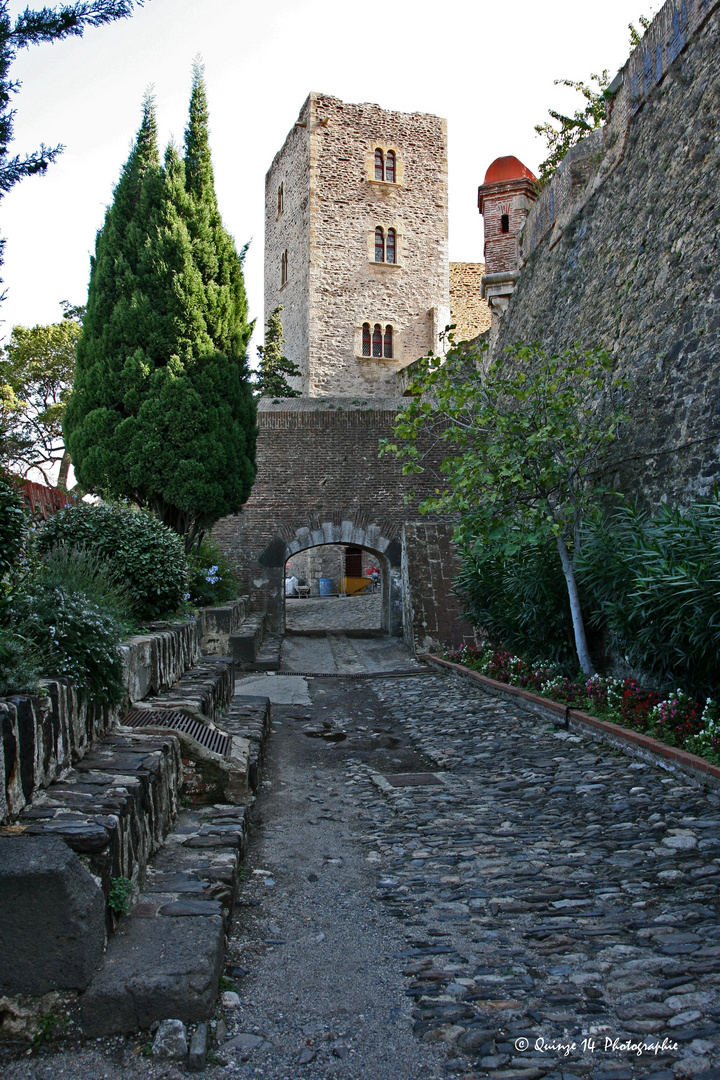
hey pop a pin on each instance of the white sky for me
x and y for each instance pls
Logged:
(487, 67)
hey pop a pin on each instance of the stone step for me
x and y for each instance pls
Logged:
(268, 655)
(245, 642)
(114, 808)
(218, 623)
(118, 809)
(167, 956)
(249, 718)
(208, 688)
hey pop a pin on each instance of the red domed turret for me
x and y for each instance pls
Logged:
(504, 199)
(507, 168)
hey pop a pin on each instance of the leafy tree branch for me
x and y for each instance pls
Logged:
(522, 438)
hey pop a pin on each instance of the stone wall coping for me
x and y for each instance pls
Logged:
(331, 402)
(632, 742)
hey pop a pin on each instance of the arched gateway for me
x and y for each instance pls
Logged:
(320, 481)
(386, 550)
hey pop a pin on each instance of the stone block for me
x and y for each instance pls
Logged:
(198, 1049)
(52, 930)
(171, 1041)
(152, 969)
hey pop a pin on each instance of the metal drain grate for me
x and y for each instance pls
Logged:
(214, 740)
(419, 779)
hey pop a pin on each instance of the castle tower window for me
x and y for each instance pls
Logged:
(366, 351)
(390, 167)
(388, 342)
(379, 245)
(379, 165)
(281, 199)
(283, 268)
(504, 223)
(377, 342)
(389, 247)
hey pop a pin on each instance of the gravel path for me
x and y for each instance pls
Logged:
(540, 887)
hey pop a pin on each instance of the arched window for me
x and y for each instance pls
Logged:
(281, 199)
(389, 246)
(388, 342)
(379, 165)
(366, 339)
(390, 167)
(377, 342)
(504, 223)
(283, 268)
(379, 245)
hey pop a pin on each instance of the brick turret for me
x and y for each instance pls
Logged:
(504, 200)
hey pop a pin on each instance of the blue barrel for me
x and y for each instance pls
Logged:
(326, 588)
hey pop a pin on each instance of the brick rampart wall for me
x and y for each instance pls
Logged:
(633, 265)
(320, 480)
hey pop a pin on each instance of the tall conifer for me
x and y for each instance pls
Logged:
(162, 411)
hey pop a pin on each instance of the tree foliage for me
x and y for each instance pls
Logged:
(34, 28)
(12, 523)
(36, 374)
(653, 581)
(525, 439)
(635, 35)
(573, 128)
(275, 368)
(162, 411)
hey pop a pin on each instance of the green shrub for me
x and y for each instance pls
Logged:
(143, 552)
(519, 600)
(20, 663)
(80, 571)
(212, 578)
(12, 524)
(74, 636)
(654, 582)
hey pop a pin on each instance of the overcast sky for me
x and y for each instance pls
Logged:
(487, 67)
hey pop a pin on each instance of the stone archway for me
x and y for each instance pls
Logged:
(387, 550)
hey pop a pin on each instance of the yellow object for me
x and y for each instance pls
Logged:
(352, 585)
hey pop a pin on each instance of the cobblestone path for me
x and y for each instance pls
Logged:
(543, 907)
(334, 613)
(554, 894)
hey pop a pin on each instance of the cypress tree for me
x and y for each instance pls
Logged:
(162, 412)
(274, 365)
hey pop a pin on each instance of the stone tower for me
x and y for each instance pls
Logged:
(356, 244)
(504, 200)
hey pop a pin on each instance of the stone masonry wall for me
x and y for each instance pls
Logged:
(429, 568)
(327, 169)
(634, 264)
(468, 310)
(290, 231)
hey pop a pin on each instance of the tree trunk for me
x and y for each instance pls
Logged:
(64, 469)
(581, 645)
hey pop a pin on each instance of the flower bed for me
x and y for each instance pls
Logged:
(677, 720)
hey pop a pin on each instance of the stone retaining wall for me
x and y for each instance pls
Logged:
(42, 736)
(622, 252)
